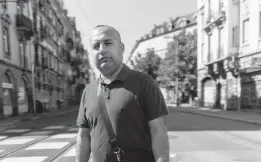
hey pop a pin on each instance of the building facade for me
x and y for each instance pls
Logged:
(158, 39)
(15, 68)
(228, 53)
(38, 39)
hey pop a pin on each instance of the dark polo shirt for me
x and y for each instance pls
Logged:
(133, 100)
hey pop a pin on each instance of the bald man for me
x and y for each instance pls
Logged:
(135, 106)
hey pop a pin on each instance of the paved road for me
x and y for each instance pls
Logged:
(193, 138)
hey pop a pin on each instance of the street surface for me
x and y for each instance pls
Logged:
(193, 138)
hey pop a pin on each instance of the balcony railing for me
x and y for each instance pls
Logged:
(215, 19)
(24, 26)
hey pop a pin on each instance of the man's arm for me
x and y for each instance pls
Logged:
(83, 148)
(160, 140)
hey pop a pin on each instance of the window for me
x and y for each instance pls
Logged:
(209, 48)
(19, 9)
(158, 31)
(234, 35)
(245, 30)
(202, 37)
(58, 65)
(36, 57)
(203, 20)
(49, 60)
(202, 52)
(22, 54)
(259, 23)
(220, 42)
(6, 41)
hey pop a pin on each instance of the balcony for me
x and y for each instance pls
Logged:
(220, 17)
(24, 26)
(215, 19)
(69, 43)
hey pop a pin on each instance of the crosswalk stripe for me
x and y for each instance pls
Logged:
(26, 159)
(16, 130)
(48, 145)
(3, 137)
(55, 127)
(39, 133)
(72, 152)
(68, 135)
(17, 141)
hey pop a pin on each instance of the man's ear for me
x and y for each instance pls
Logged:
(122, 48)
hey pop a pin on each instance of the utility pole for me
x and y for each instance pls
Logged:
(36, 38)
(32, 65)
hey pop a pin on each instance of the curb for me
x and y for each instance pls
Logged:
(217, 116)
(19, 121)
(16, 121)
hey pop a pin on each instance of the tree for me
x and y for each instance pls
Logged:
(185, 70)
(148, 64)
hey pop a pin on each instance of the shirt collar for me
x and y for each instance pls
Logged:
(122, 76)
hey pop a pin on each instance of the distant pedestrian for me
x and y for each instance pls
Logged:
(122, 113)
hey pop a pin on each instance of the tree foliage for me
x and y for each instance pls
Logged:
(186, 68)
(148, 63)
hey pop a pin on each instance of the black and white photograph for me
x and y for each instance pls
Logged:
(130, 80)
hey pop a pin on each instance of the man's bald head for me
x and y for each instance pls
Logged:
(104, 28)
(106, 49)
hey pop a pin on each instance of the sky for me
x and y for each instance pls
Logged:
(132, 18)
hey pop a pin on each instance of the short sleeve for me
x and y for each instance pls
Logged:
(81, 119)
(153, 100)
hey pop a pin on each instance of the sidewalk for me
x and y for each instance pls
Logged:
(29, 116)
(240, 116)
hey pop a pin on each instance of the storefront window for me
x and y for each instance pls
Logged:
(22, 93)
(7, 91)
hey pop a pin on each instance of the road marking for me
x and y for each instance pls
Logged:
(72, 152)
(55, 127)
(39, 133)
(48, 145)
(172, 155)
(26, 159)
(3, 137)
(16, 130)
(17, 141)
(73, 129)
(68, 135)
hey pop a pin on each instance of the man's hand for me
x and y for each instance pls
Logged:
(160, 140)
(83, 149)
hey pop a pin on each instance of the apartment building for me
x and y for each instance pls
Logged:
(228, 53)
(15, 68)
(48, 60)
(158, 39)
(38, 39)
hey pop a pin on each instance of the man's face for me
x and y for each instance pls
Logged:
(107, 49)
